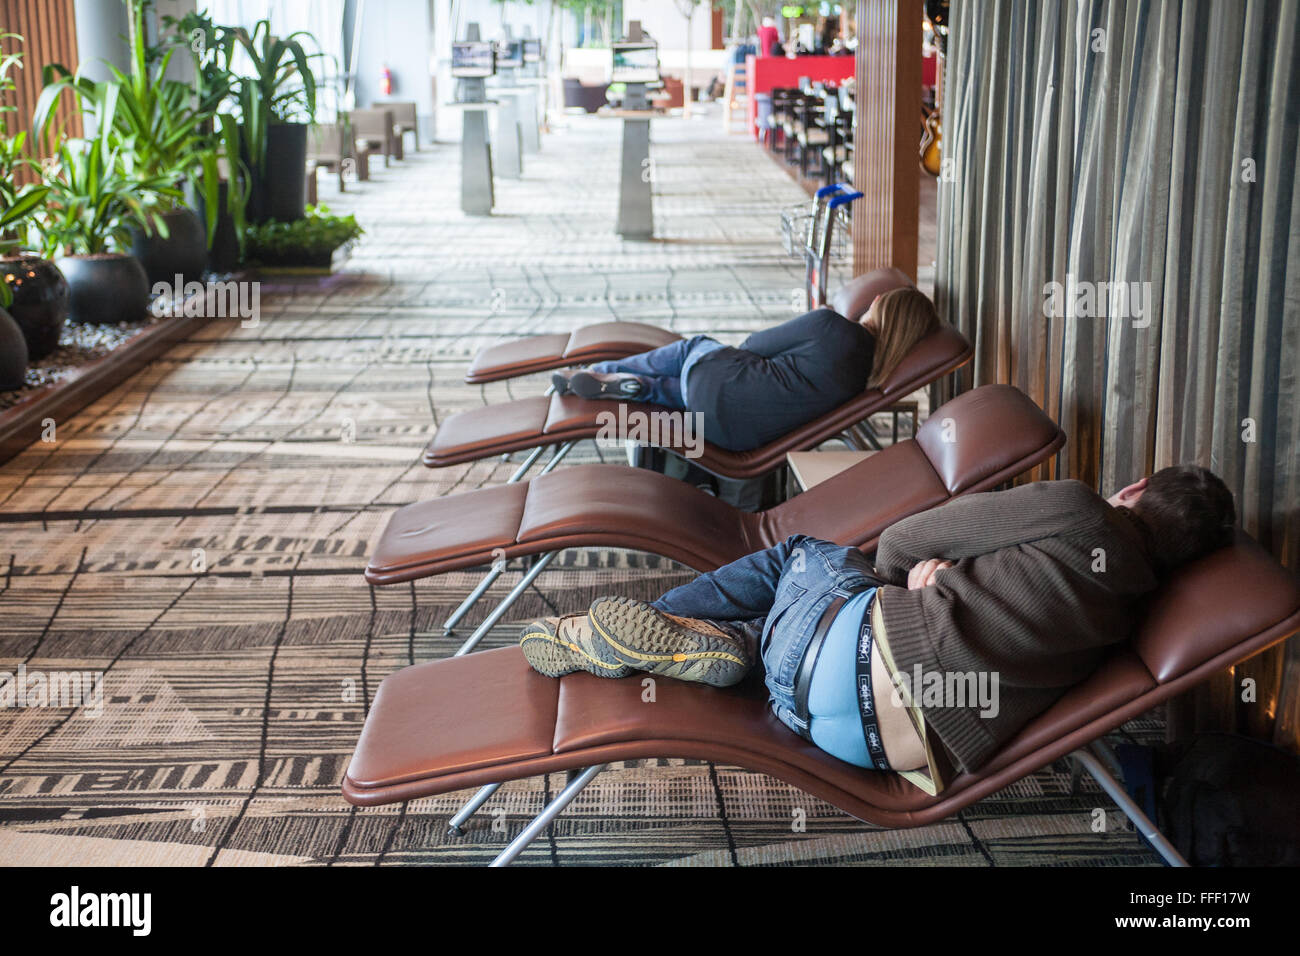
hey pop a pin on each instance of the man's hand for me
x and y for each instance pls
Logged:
(922, 575)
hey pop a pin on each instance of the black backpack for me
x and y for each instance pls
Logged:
(1228, 800)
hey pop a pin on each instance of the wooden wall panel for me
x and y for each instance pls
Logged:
(49, 32)
(886, 221)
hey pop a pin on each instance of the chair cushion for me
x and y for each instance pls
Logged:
(483, 432)
(615, 339)
(633, 507)
(1205, 607)
(442, 530)
(456, 715)
(969, 438)
(589, 343)
(854, 298)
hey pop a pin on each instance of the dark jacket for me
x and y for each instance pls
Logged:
(780, 378)
(1047, 576)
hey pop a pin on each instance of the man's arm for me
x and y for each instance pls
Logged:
(981, 523)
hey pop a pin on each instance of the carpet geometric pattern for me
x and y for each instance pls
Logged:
(197, 536)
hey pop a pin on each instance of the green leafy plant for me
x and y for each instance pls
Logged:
(317, 234)
(281, 88)
(93, 203)
(16, 203)
(159, 127)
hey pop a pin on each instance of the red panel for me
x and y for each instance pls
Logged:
(766, 73)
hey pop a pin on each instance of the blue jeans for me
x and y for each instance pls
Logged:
(663, 371)
(774, 599)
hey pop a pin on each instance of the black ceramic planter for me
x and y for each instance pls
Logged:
(107, 289)
(183, 252)
(40, 304)
(223, 255)
(13, 353)
(280, 193)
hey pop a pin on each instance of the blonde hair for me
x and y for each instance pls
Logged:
(904, 317)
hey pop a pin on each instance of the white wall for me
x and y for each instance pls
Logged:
(662, 19)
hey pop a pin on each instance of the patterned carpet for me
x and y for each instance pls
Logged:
(198, 536)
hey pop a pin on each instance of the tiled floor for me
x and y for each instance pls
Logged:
(197, 537)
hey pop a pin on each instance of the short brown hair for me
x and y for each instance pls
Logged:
(1187, 511)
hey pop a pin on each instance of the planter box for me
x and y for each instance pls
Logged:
(302, 263)
(21, 424)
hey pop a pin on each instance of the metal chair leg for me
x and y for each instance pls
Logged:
(1130, 808)
(526, 464)
(867, 436)
(455, 825)
(499, 611)
(552, 810)
(557, 457)
(479, 590)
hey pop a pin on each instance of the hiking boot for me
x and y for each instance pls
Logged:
(556, 646)
(647, 639)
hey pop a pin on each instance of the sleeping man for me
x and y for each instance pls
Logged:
(976, 616)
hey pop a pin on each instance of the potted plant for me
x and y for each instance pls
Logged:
(304, 245)
(90, 211)
(164, 132)
(33, 293)
(211, 49)
(277, 103)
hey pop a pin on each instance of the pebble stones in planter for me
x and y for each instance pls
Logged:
(40, 301)
(13, 353)
(108, 288)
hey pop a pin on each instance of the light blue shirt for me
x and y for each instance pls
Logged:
(835, 722)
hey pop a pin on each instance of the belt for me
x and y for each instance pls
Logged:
(862, 667)
(803, 676)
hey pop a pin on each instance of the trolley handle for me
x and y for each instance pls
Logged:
(843, 200)
(825, 191)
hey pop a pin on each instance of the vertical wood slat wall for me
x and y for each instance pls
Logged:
(49, 32)
(886, 136)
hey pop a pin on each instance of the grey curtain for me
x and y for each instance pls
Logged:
(1150, 142)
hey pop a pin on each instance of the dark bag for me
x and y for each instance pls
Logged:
(1232, 801)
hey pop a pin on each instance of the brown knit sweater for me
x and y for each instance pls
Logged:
(1025, 600)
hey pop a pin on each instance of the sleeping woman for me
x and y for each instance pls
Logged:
(773, 382)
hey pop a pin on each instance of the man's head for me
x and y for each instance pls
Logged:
(1185, 510)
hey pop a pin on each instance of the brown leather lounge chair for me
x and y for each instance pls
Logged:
(487, 718)
(563, 421)
(973, 443)
(611, 340)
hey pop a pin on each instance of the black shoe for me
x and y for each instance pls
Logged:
(560, 382)
(586, 384)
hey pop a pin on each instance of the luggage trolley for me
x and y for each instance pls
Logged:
(817, 232)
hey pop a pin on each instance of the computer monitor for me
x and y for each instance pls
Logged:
(472, 59)
(635, 63)
(510, 53)
(532, 51)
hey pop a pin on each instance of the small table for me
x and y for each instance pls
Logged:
(808, 468)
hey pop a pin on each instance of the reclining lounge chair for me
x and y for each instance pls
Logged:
(488, 718)
(977, 441)
(613, 340)
(563, 421)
